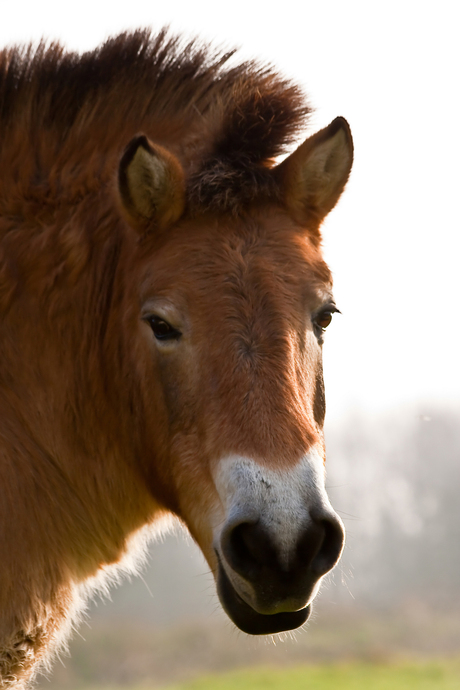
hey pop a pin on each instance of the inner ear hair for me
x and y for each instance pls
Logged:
(314, 176)
(151, 183)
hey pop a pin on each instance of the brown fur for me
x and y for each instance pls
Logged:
(99, 436)
(224, 123)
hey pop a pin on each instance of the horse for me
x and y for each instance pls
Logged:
(163, 302)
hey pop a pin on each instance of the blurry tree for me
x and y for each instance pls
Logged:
(397, 482)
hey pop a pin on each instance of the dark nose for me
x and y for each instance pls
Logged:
(258, 555)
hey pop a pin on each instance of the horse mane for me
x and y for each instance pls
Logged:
(66, 117)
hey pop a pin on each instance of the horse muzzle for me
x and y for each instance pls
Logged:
(279, 538)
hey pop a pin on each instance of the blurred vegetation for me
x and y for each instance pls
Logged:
(125, 655)
(395, 596)
(432, 676)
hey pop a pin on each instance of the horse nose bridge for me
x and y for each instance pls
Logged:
(267, 403)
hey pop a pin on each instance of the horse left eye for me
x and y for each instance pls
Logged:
(162, 330)
(323, 320)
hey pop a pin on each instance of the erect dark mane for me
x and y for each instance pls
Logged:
(65, 114)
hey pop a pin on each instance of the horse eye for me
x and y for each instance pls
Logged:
(324, 318)
(162, 330)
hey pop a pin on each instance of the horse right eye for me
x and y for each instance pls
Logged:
(162, 330)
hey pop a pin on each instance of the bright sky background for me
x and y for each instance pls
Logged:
(393, 70)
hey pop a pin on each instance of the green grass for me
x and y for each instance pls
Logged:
(433, 675)
(439, 675)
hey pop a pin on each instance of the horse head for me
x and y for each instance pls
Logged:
(233, 309)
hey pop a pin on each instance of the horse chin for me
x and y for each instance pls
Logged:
(250, 621)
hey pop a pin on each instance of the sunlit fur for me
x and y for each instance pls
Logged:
(103, 429)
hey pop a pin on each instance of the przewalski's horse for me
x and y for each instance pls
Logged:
(163, 302)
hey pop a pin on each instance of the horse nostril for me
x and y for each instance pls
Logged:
(247, 548)
(330, 538)
(251, 551)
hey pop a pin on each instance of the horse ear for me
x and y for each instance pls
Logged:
(151, 184)
(314, 176)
